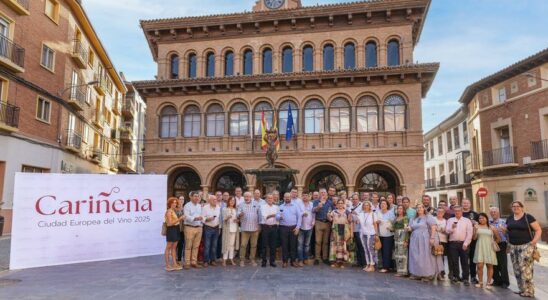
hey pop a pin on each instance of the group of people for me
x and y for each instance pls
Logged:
(367, 230)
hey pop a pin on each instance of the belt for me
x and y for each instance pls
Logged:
(210, 227)
(323, 221)
(197, 226)
(456, 241)
(289, 226)
(266, 225)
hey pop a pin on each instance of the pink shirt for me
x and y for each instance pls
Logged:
(462, 233)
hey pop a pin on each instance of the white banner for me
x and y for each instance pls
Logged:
(63, 219)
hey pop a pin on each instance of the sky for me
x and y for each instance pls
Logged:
(471, 39)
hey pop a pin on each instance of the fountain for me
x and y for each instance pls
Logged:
(271, 176)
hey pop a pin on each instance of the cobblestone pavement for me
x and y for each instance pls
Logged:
(144, 278)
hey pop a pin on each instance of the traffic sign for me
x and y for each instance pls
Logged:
(482, 192)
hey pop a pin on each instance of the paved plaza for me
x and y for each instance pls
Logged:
(144, 278)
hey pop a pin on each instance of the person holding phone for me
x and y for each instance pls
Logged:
(212, 215)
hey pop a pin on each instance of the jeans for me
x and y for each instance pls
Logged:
(303, 247)
(360, 254)
(211, 236)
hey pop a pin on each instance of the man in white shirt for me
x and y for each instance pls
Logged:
(307, 226)
(269, 229)
(238, 196)
(460, 231)
(354, 210)
(295, 197)
(211, 213)
(193, 230)
(257, 198)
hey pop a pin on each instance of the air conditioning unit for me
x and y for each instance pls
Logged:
(527, 160)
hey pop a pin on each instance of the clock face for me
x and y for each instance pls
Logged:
(273, 4)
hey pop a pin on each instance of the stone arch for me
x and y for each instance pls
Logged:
(163, 105)
(182, 179)
(226, 177)
(188, 103)
(320, 167)
(382, 177)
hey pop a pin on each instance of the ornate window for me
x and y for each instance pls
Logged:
(373, 182)
(371, 54)
(174, 66)
(339, 116)
(168, 122)
(393, 52)
(287, 60)
(239, 120)
(191, 121)
(192, 65)
(258, 115)
(267, 61)
(314, 117)
(248, 62)
(215, 120)
(284, 116)
(229, 63)
(349, 56)
(328, 57)
(367, 115)
(210, 64)
(308, 58)
(394, 113)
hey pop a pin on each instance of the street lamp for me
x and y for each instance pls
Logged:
(61, 92)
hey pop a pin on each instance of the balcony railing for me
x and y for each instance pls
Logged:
(129, 108)
(539, 150)
(13, 53)
(113, 162)
(80, 53)
(501, 156)
(74, 140)
(453, 179)
(78, 97)
(101, 85)
(24, 3)
(9, 114)
(97, 155)
(430, 183)
(441, 182)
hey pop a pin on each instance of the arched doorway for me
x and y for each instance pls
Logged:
(325, 177)
(378, 178)
(183, 181)
(227, 180)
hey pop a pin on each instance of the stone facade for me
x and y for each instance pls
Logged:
(357, 110)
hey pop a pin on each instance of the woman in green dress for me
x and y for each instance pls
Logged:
(485, 253)
(401, 238)
(341, 235)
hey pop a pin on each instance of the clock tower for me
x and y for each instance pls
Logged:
(262, 5)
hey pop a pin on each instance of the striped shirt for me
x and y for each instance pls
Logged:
(250, 219)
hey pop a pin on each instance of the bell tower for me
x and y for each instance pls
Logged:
(262, 5)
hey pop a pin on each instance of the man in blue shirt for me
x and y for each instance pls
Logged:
(322, 229)
(290, 224)
(500, 274)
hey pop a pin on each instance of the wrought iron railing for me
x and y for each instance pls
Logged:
(539, 150)
(74, 139)
(9, 114)
(12, 51)
(499, 156)
(79, 49)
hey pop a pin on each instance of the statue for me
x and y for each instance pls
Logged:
(271, 139)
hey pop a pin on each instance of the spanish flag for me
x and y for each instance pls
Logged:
(264, 143)
(275, 128)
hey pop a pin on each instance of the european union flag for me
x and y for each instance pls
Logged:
(289, 128)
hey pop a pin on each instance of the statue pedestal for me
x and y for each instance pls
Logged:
(271, 177)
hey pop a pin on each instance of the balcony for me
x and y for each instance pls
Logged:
(80, 54)
(115, 134)
(500, 158)
(12, 56)
(77, 97)
(97, 156)
(128, 110)
(441, 182)
(101, 85)
(430, 183)
(74, 141)
(126, 134)
(21, 7)
(453, 179)
(113, 162)
(539, 151)
(9, 117)
(117, 107)
(99, 120)
(127, 163)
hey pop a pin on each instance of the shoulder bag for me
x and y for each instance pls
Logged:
(378, 244)
(536, 253)
(164, 229)
(437, 249)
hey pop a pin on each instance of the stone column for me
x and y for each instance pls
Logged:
(349, 189)
(300, 188)
(360, 52)
(382, 56)
(205, 189)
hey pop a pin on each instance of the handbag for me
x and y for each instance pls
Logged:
(495, 246)
(438, 249)
(378, 244)
(164, 229)
(536, 253)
